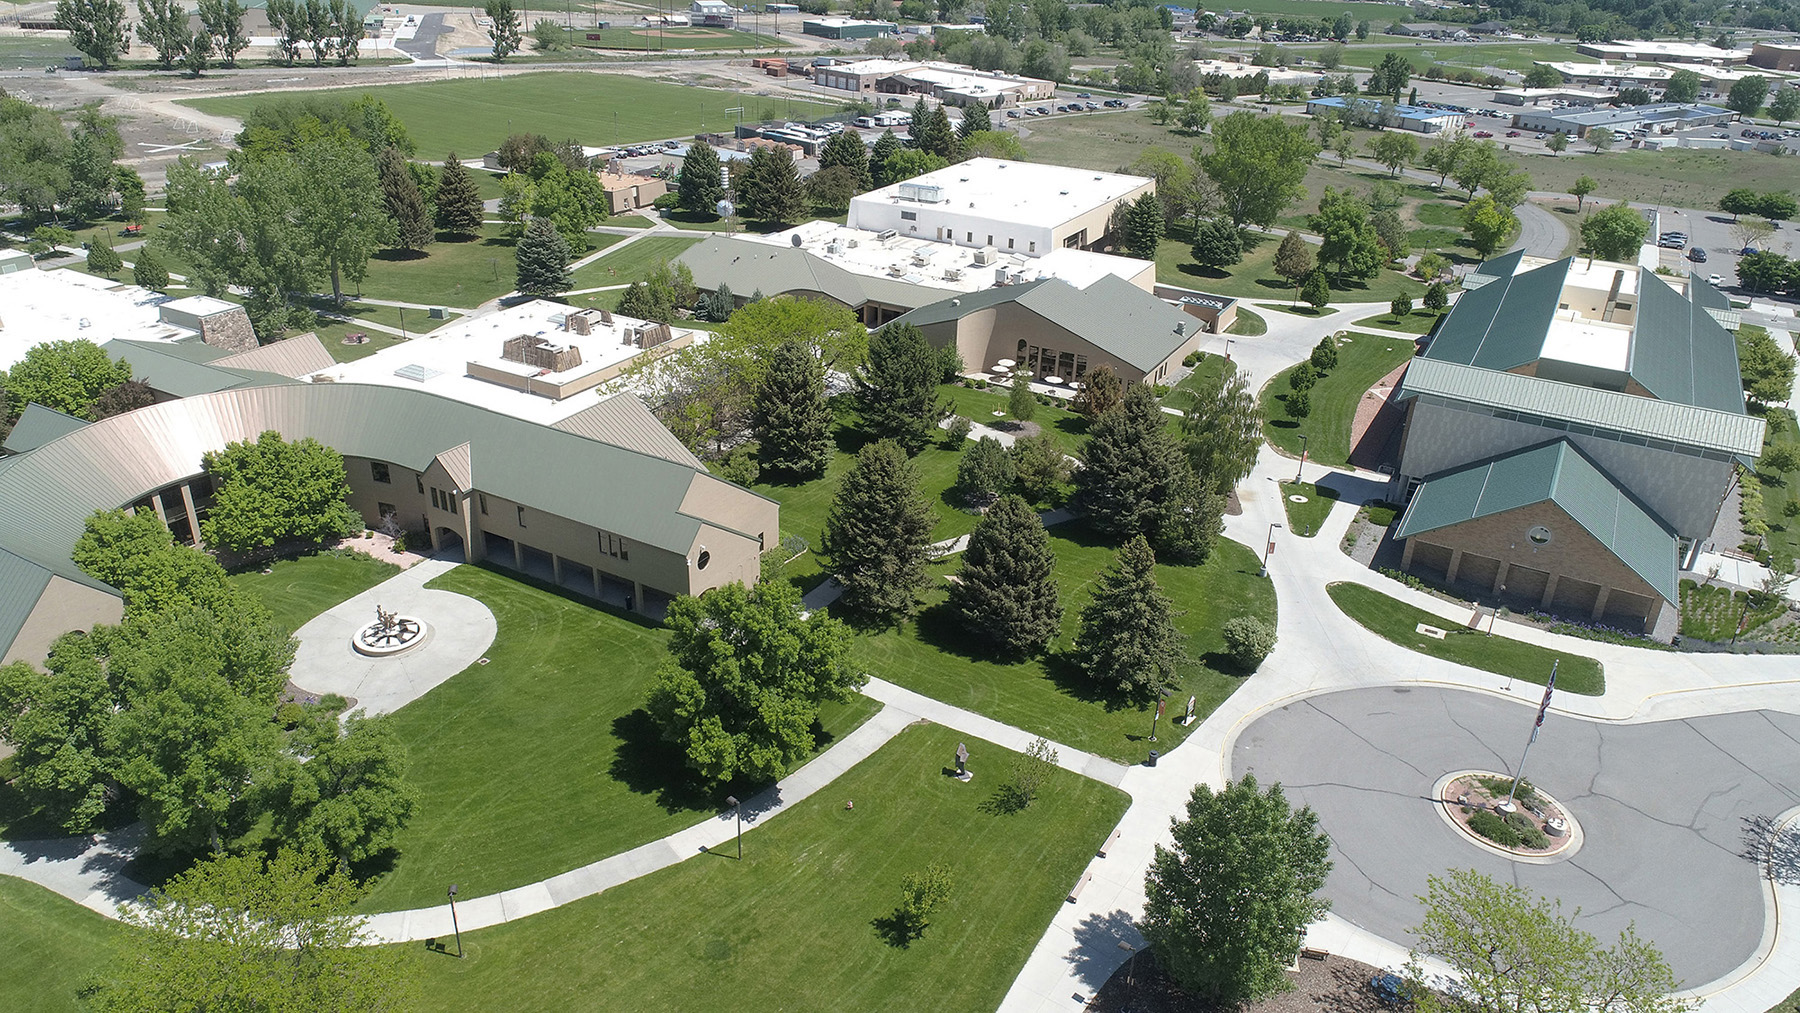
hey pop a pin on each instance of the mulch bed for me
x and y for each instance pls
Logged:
(1335, 985)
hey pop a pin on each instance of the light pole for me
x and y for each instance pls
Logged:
(1300, 469)
(738, 811)
(1268, 548)
(454, 925)
(1228, 349)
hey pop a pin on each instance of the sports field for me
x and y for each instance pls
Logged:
(473, 115)
(621, 37)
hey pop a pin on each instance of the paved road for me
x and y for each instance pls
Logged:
(1667, 809)
(1541, 233)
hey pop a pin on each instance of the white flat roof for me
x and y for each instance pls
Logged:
(200, 305)
(937, 72)
(1026, 192)
(65, 305)
(898, 258)
(443, 355)
(1588, 342)
(1672, 50)
(1277, 75)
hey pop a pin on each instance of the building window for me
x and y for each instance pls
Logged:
(450, 499)
(1539, 535)
(1033, 246)
(385, 510)
(482, 496)
(421, 480)
(968, 237)
(990, 241)
(378, 471)
(705, 558)
(624, 553)
(521, 516)
(1009, 244)
(437, 499)
(909, 216)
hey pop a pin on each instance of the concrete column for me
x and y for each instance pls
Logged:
(1600, 602)
(193, 516)
(518, 555)
(637, 597)
(1549, 592)
(1406, 555)
(1455, 565)
(556, 568)
(156, 504)
(1500, 577)
(595, 572)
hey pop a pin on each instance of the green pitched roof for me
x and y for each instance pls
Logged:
(39, 425)
(22, 583)
(182, 369)
(1502, 323)
(1560, 473)
(1111, 314)
(1679, 352)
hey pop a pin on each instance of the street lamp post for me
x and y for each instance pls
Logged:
(1268, 548)
(738, 811)
(1300, 469)
(1228, 349)
(454, 925)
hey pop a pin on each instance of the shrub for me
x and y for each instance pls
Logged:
(1193, 358)
(1491, 826)
(1248, 640)
(1299, 405)
(1527, 832)
(740, 466)
(957, 432)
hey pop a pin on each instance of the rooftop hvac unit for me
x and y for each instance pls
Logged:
(999, 275)
(854, 244)
(897, 270)
(924, 193)
(885, 235)
(986, 256)
(834, 247)
(921, 257)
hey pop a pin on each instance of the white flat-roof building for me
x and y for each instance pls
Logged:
(954, 267)
(1021, 208)
(40, 306)
(1539, 96)
(948, 82)
(1664, 52)
(534, 361)
(1715, 82)
(1277, 75)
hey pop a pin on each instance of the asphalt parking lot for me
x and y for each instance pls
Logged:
(1669, 810)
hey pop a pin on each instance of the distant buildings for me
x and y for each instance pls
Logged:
(1664, 52)
(1276, 75)
(1715, 82)
(847, 28)
(1656, 116)
(1393, 114)
(1429, 30)
(1776, 56)
(949, 83)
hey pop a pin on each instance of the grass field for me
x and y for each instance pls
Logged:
(1207, 371)
(1682, 177)
(472, 116)
(50, 946)
(1397, 621)
(1304, 518)
(542, 760)
(1416, 322)
(296, 590)
(1050, 696)
(1069, 428)
(462, 273)
(1255, 278)
(1299, 310)
(628, 222)
(1249, 324)
(1362, 360)
(633, 263)
(794, 926)
(1781, 488)
(656, 40)
(1475, 56)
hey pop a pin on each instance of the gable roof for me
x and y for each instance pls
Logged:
(184, 369)
(1679, 352)
(747, 265)
(22, 583)
(298, 356)
(1502, 323)
(1560, 473)
(1111, 314)
(625, 421)
(37, 426)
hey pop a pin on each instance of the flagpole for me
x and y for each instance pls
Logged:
(1519, 774)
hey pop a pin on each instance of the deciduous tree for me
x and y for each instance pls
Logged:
(1614, 233)
(223, 22)
(1128, 641)
(96, 28)
(1223, 432)
(1101, 391)
(1395, 149)
(1347, 237)
(1747, 94)
(505, 32)
(1581, 188)
(68, 376)
(350, 800)
(274, 492)
(1006, 592)
(1039, 467)
(1258, 163)
(162, 25)
(1683, 86)
(1487, 224)
(1226, 907)
(878, 532)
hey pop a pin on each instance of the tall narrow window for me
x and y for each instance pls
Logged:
(421, 480)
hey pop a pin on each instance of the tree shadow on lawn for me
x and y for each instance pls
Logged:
(648, 764)
(400, 256)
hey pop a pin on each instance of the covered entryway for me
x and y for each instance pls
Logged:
(447, 544)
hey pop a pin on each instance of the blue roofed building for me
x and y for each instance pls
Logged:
(1393, 114)
(1569, 436)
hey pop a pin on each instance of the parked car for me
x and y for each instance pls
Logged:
(1012, 114)
(1092, 106)
(1484, 133)
(1513, 133)
(1083, 94)
(1746, 251)
(1540, 136)
(1671, 244)
(1714, 280)
(1697, 254)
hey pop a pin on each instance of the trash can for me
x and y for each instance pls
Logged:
(1152, 761)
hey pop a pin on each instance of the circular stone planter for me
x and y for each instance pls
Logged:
(1562, 847)
(375, 642)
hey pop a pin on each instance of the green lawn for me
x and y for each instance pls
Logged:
(1780, 488)
(463, 273)
(1248, 324)
(1206, 372)
(1298, 309)
(472, 116)
(1050, 696)
(628, 222)
(1069, 428)
(331, 332)
(1789, 1005)
(633, 263)
(50, 946)
(1397, 621)
(1255, 278)
(793, 927)
(1304, 518)
(1416, 322)
(542, 760)
(1362, 360)
(296, 590)
(654, 39)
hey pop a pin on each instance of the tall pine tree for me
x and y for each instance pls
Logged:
(1143, 226)
(846, 149)
(459, 209)
(1137, 481)
(792, 419)
(897, 389)
(1128, 641)
(702, 180)
(770, 189)
(884, 148)
(1005, 592)
(878, 532)
(543, 258)
(405, 205)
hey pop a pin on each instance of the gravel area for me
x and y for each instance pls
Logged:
(1334, 984)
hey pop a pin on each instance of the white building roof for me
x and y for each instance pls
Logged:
(64, 305)
(1684, 52)
(200, 305)
(999, 190)
(937, 73)
(1277, 75)
(946, 265)
(437, 363)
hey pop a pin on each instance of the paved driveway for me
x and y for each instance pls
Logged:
(1668, 810)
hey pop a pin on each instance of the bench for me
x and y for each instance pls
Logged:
(1314, 953)
(1080, 885)
(1110, 842)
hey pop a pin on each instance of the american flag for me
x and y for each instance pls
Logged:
(1544, 707)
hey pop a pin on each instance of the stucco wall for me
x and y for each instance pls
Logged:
(64, 606)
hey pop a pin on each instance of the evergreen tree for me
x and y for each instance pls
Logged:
(148, 271)
(1021, 403)
(505, 34)
(846, 150)
(946, 144)
(1324, 356)
(1143, 226)
(1005, 591)
(543, 260)
(1135, 479)
(878, 533)
(886, 146)
(1039, 466)
(897, 389)
(769, 189)
(1128, 640)
(1217, 243)
(1316, 290)
(1101, 391)
(792, 418)
(459, 208)
(702, 180)
(102, 259)
(975, 120)
(405, 205)
(984, 472)
(1437, 297)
